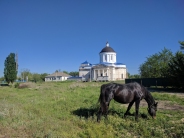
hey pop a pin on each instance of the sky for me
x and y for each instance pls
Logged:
(50, 35)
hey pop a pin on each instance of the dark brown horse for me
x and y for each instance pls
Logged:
(125, 93)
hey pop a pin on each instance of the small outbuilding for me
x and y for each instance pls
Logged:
(57, 76)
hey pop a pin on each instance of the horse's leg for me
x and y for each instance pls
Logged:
(106, 110)
(128, 109)
(137, 102)
(103, 110)
(99, 114)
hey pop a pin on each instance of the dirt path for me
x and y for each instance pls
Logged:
(165, 105)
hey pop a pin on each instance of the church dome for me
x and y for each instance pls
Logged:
(107, 55)
(107, 49)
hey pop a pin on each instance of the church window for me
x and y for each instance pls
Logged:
(122, 76)
(105, 57)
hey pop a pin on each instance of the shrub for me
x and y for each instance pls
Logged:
(17, 85)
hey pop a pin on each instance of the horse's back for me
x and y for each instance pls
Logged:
(123, 93)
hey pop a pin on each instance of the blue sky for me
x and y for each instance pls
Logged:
(49, 35)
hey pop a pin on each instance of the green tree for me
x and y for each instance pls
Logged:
(36, 77)
(181, 45)
(74, 73)
(175, 70)
(42, 76)
(10, 71)
(66, 72)
(135, 76)
(128, 75)
(156, 64)
(26, 73)
(1, 79)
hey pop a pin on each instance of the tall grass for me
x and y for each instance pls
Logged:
(68, 109)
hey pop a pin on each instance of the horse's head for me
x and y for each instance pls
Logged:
(152, 110)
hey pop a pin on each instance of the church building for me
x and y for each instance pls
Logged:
(107, 70)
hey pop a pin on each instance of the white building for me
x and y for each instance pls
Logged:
(107, 69)
(57, 76)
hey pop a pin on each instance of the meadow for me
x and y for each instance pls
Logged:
(68, 110)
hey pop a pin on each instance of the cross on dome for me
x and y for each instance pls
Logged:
(107, 44)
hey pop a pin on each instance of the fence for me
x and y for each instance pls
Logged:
(147, 82)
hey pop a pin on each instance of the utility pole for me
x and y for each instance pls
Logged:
(90, 73)
(16, 60)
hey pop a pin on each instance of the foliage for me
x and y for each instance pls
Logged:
(181, 44)
(32, 76)
(66, 72)
(10, 71)
(36, 77)
(2, 79)
(43, 75)
(135, 76)
(128, 74)
(176, 69)
(17, 84)
(74, 73)
(26, 73)
(156, 64)
(68, 109)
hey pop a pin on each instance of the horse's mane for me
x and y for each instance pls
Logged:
(148, 96)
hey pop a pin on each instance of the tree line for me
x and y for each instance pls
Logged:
(26, 74)
(11, 70)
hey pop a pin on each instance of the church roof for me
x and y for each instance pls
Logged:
(107, 48)
(86, 62)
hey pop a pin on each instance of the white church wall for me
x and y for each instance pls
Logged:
(84, 73)
(106, 57)
(120, 73)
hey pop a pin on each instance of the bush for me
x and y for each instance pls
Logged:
(17, 85)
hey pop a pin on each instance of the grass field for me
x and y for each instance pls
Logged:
(68, 110)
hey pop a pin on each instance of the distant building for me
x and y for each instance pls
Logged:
(107, 69)
(57, 76)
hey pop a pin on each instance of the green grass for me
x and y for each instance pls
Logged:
(167, 97)
(68, 110)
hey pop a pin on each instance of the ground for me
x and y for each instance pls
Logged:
(165, 105)
(68, 109)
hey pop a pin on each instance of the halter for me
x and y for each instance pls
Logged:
(151, 104)
(150, 107)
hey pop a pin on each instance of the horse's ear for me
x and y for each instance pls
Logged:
(156, 103)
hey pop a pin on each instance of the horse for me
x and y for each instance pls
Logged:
(125, 93)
